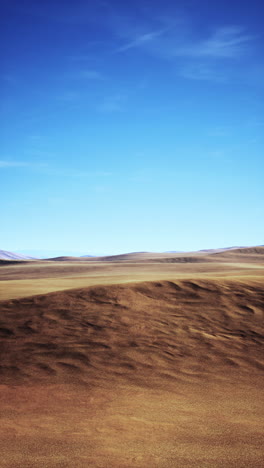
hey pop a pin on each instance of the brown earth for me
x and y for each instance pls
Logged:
(21, 279)
(164, 370)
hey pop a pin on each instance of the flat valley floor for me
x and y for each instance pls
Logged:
(140, 360)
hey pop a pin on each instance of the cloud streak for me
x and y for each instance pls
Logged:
(141, 40)
(225, 42)
(11, 164)
(202, 72)
(169, 35)
(50, 170)
(5, 164)
(222, 43)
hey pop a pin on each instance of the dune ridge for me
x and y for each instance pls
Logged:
(158, 330)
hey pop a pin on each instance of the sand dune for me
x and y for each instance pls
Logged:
(166, 373)
(152, 360)
(146, 332)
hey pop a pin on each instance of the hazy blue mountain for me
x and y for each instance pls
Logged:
(6, 255)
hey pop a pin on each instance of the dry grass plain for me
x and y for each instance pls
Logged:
(143, 360)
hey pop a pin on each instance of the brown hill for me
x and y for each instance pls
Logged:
(160, 374)
(170, 257)
(147, 332)
(255, 254)
(40, 277)
(249, 250)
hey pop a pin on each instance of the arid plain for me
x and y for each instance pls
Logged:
(137, 360)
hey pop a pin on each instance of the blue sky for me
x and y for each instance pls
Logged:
(131, 126)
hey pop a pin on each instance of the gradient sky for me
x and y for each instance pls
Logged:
(131, 126)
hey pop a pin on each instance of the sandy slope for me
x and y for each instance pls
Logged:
(177, 328)
(166, 373)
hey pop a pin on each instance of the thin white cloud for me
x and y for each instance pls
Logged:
(172, 42)
(6, 164)
(197, 71)
(51, 170)
(225, 42)
(142, 40)
(12, 164)
(169, 34)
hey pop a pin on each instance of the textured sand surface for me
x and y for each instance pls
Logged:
(164, 373)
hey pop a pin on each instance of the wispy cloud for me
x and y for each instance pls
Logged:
(6, 164)
(12, 164)
(198, 56)
(201, 71)
(53, 170)
(225, 42)
(170, 33)
(170, 43)
(142, 40)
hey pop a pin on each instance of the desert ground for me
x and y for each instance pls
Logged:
(138, 360)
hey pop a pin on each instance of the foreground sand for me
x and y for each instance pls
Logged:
(164, 373)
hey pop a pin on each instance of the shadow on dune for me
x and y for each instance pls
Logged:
(147, 333)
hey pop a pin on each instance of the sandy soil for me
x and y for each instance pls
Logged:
(160, 373)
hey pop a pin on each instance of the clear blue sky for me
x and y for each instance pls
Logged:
(131, 126)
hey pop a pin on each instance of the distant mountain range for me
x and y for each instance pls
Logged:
(5, 255)
(51, 253)
(11, 256)
(222, 249)
(82, 256)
